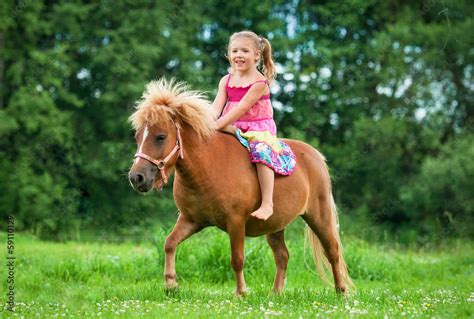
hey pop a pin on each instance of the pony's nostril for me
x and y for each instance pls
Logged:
(137, 179)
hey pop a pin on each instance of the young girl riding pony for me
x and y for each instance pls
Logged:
(243, 101)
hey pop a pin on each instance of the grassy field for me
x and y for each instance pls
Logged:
(103, 280)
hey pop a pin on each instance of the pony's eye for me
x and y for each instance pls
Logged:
(160, 138)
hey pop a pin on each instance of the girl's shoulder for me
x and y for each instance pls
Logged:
(260, 78)
(224, 81)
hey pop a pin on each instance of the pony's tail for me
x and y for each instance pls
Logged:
(321, 261)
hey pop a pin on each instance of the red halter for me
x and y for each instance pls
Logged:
(161, 163)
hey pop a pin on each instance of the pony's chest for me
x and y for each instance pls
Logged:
(203, 207)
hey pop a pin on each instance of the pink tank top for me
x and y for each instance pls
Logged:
(259, 117)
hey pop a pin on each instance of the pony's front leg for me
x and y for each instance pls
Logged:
(183, 229)
(236, 230)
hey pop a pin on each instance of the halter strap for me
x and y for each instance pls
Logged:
(160, 164)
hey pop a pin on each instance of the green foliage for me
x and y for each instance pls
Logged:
(444, 188)
(379, 157)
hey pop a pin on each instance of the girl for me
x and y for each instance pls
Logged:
(243, 98)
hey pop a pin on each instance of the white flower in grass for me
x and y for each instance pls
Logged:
(471, 297)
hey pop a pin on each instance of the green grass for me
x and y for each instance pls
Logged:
(103, 280)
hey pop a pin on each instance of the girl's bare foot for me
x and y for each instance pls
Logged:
(264, 212)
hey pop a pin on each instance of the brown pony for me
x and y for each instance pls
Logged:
(216, 184)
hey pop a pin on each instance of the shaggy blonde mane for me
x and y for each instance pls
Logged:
(166, 101)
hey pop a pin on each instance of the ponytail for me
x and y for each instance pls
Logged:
(268, 67)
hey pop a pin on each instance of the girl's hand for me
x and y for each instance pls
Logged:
(231, 129)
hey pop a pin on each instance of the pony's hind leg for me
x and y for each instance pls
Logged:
(183, 229)
(281, 255)
(321, 218)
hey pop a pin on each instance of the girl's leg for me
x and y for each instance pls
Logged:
(266, 178)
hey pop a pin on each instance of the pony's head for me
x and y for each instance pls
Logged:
(164, 108)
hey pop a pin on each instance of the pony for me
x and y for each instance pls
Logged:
(215, 184)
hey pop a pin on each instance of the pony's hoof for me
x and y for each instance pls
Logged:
(341, 291)
(170, 281)
(171, 284)
(171, 289)
(278, 291)
(241, 294)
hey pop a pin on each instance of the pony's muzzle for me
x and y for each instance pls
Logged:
(137, 179)
(142, 181)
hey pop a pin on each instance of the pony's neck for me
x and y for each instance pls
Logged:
(197, 157)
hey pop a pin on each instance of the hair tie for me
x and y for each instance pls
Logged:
(262, 43)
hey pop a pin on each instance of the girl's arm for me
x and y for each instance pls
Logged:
(220, 99)
(249, 99)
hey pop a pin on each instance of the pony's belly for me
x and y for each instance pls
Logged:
(205, 214)
(255, 227)
(215, 207)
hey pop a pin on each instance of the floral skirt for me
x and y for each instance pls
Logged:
(265, 148)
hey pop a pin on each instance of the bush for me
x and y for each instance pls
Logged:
(439, 199)
(376, 160)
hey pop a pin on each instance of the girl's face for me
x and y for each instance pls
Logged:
(243, 55)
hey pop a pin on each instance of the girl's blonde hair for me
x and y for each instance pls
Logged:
(261, 44)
